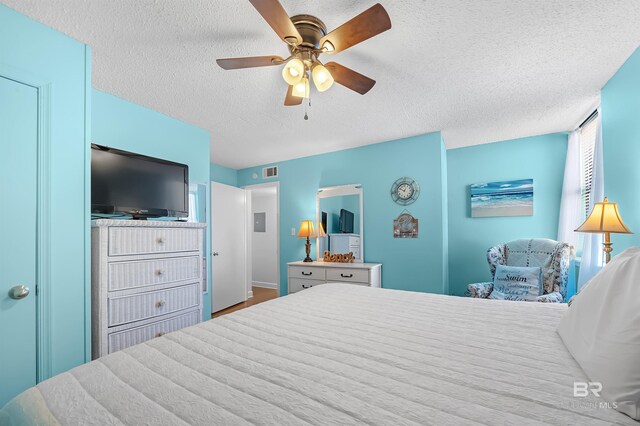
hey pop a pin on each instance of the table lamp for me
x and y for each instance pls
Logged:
(307, 231)
(605, 219)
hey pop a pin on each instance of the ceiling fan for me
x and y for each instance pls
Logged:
(307, 38)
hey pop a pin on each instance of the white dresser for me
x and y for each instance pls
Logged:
(304, 275)
(345, 243)
(147, 279)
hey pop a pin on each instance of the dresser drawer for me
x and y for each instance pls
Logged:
(124, 275)
(126, 309)
(348, 275)
(125, 241)
(297, 284)
(307, 273)
(133, 336)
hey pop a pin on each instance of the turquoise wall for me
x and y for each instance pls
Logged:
(408, 264)
(621, 145)
(222, 174)
(541, 158)
(124, 125)
(35, 54)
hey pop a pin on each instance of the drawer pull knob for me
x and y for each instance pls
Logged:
(307, 273)
(306, 286)
(346, 275)
(160, 334)
(160, 303)
(159, 272)
(160, 240)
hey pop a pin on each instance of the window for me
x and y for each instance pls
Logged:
(588, 131)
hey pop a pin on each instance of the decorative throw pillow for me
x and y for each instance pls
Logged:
(602, 331)
(516, 283)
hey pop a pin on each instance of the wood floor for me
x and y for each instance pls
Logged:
(260, 295)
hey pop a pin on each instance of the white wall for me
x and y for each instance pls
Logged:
(265, 244)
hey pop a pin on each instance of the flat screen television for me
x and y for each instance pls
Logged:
(346, 221)
(126, 183)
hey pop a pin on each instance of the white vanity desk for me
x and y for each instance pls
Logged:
(329, 202)
(307, 274)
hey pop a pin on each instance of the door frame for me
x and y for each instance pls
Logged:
(43, 287)
(248, 188)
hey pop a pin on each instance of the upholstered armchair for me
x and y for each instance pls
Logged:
(552, 256)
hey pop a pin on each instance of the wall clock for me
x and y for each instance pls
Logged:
(405, 191)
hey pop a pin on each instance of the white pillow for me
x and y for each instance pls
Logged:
(601, 329)
(516, 283)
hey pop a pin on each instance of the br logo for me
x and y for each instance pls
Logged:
(582, 389)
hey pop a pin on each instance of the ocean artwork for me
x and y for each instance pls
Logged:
(510, 198)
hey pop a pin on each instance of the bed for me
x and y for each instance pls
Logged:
(335, 354)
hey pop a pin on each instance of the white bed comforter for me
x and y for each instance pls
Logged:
(334, 354)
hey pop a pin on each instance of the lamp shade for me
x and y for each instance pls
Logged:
(604, 218)
(293, 71)
(321, 78)
(301, 88)
(306, 229)
(321, 232)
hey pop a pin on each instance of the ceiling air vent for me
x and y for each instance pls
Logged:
(270, 172)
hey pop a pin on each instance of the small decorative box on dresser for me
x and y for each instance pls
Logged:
(146, 280)
(307, 274)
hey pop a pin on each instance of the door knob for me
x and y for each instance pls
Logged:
(215, 253)
(19, 292)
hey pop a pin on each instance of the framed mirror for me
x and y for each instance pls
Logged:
(339, 211)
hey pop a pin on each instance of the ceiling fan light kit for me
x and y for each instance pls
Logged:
(307, 38)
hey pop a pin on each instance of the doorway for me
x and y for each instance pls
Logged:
(263, 239)
(245, 241)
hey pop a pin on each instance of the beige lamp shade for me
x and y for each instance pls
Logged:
(321, 232)
(604, 218)
(307, 230)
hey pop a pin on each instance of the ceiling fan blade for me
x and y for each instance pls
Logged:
(369, 23)
(249, 62)
(291, 100)
(275, 15)
(349, 78)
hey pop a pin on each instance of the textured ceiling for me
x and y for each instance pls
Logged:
(479, 70)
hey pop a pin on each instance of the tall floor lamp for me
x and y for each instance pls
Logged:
(605, 219)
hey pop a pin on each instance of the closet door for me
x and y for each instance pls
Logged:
(18, 203)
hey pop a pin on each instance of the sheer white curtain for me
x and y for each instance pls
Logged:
(592, 254)
(570, 211)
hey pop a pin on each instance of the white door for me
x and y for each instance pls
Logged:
(229, 246)
(18, 203)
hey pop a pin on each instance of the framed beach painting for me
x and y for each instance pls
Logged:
(509, 198)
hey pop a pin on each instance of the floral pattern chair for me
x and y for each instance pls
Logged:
(552, 256)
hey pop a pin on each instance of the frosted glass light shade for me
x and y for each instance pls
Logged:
(301, 89)
(322, 78)
(293, 72)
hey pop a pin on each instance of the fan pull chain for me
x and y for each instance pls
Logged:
(306, 116)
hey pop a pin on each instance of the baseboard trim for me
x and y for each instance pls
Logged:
(250, 294)
(265, 285)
